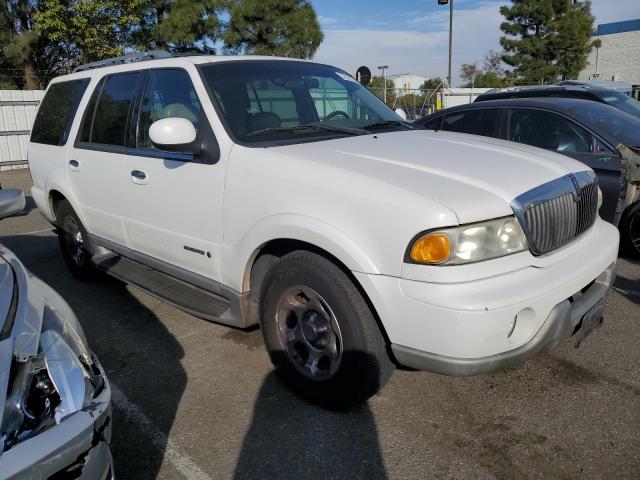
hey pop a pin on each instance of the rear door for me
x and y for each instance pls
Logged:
(174, 200)
(95, 162)
(552, 131)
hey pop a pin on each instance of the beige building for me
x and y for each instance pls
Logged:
(619, 56)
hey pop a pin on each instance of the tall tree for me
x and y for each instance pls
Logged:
(184, 25)
(469, 72)
(19, 44)
(88, 30)
(546, 39)
(287, 28)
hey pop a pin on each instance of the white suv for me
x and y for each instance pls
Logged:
(281, 192)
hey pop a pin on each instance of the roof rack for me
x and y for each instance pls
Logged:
(129, 58)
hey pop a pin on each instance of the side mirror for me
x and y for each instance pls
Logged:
(401, 113)
(174, 134)
(11, 202)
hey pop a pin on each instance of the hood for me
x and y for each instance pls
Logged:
(475, 177)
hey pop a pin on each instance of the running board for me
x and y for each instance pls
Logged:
(185, 296)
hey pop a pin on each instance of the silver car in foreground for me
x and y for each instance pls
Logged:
(55, 400)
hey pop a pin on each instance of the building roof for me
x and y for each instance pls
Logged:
(618, 27)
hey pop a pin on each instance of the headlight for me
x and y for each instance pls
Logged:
(599, 198)
(66, 373)
(468, 243)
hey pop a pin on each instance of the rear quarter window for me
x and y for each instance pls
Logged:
(57, 111)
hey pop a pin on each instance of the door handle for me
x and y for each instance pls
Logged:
(139, 177)
(74, 165)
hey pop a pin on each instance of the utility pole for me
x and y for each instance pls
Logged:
(384, 81)
(450, 2)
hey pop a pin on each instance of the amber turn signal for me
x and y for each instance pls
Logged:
(432, 248)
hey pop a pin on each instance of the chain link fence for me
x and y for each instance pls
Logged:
(416, 102)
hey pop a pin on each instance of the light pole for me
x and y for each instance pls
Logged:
(450, 2)
(384, 81)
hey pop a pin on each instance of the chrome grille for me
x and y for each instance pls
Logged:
(557, 212)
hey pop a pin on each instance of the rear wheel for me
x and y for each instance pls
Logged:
(320, 333)
(630, 231)
(75, 244)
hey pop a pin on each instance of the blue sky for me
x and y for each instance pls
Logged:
(411, 36)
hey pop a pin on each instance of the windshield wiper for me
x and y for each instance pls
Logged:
(390, 123)
(311, 126)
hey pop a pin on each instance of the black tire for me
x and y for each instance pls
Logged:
(75, 243)
(630, 231)
(337, 381)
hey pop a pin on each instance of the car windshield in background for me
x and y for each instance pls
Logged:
(623, 102)
(623, 127)
(284, 102)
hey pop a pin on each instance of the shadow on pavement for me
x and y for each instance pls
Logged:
(628, 288)
(290, 438)
(141, 357)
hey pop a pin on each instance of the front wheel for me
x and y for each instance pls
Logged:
(320, 333)
(630, 231)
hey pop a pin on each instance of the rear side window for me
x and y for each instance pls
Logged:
(106, 117)
(548, 130)
(57, 111)
(481, 121)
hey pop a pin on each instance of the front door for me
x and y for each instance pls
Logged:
(174, 211)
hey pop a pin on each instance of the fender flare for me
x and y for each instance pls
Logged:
(238, 258)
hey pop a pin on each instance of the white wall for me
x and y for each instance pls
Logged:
(619, 56)
(452, 97)
(17, 113)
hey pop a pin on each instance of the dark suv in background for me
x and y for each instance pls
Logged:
(585, 92)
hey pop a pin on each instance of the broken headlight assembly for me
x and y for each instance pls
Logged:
(45, 389)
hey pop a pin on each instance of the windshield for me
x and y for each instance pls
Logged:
(621, 101)
(624, 128)
(284, 102)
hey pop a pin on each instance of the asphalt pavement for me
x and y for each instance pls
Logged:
(193, 399)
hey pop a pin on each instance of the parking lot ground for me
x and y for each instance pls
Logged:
(193, 399)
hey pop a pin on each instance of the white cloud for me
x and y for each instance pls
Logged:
(419, 43)
(476, 31)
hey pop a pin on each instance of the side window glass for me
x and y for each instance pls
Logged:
(168, 93)
(56, 114)
(481, 121)
(549, 131)
(435, 124)
(112, 110)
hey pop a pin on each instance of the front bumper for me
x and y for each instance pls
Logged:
(562, 322)
(463, 325)
(79, 442)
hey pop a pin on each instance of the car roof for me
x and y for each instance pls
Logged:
(170, 61)
(546, 90)
(550, 103)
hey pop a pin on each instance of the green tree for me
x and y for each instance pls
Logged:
(87, 30)
(20, 57)
(546, 39)
(287, 28)
(469, 72)
(376, 85)
(432, 84)
(183, 25)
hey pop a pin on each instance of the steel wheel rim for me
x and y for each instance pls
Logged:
(73, 241)
(634, 231)
(309, 333)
